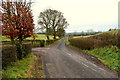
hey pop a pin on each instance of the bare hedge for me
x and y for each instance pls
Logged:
(96, 41)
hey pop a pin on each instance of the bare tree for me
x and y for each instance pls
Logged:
(51, 21)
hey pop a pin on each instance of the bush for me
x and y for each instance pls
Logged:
(23, 49)
(36, 43)
(20, 51)
(27, 48)
(49, 42)
(9, 55)
(42, 43)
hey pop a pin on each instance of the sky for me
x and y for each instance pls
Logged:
(82, 15)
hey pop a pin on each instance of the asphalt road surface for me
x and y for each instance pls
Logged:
(61, 62)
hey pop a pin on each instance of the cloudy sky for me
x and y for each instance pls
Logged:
(82, 15)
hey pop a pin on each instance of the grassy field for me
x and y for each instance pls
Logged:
(113, 32)
(39, 37)
(81, 36)
(4, 38)
(108, 54)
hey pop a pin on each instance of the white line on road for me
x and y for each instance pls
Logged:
(84, 64)
(93, 69)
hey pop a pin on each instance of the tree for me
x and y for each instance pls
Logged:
(60, 32)
(52, 20)
(17, 20)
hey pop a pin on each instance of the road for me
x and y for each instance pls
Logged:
(62, 62)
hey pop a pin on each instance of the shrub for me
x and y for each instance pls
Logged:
(27, 48)
(9, 54)
(36, 43)
(20, 51)
(49, 42)
(42, 43)
(23, 49)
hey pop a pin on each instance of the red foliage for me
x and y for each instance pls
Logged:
(17, 20)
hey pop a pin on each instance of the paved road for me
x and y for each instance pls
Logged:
(61, 62)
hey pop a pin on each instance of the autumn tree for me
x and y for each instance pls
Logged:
(51, 21)
(17, 20)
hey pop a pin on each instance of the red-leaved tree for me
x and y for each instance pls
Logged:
(17, 20)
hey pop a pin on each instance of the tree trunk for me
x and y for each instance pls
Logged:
(48, 37)
(54, 36)
(12, 40)
(20, 39)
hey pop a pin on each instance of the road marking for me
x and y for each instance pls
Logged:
(69, 54)
(84, 64)
(93, 69)
(101, 69)
(89, 67)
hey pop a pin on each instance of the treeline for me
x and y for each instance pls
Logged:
(85, 33)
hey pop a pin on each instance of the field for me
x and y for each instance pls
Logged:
(113, 32)
(104, 46)
(39, 37)
(81, 36)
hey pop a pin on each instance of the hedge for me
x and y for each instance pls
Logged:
(23, 49)
(96, 41)
(9, 54)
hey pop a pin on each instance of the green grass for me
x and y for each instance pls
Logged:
(81, 36)
(39, 37)
(107, 55)
(4, 38)
(47, 45)
(20, 68)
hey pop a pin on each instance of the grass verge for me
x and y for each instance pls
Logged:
(20, 68)
(47, 45)
(107, 55)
